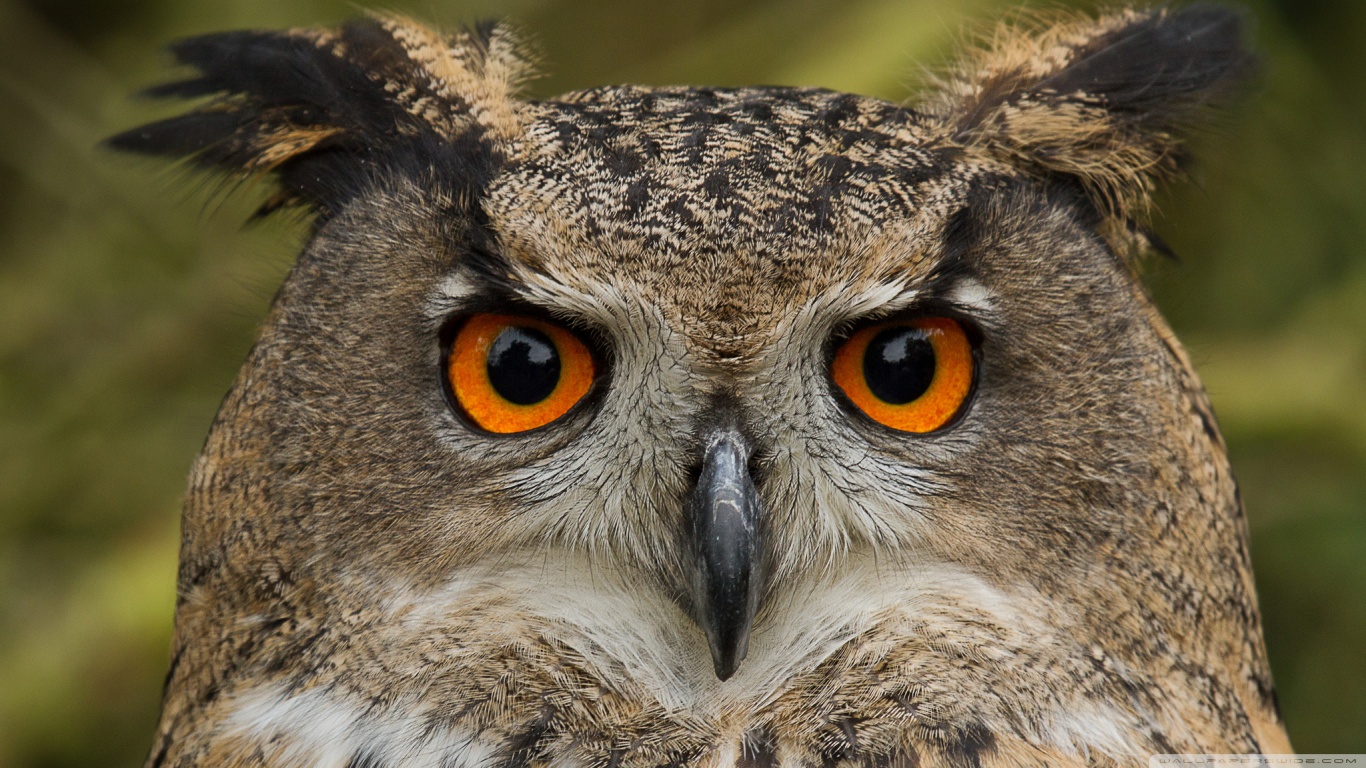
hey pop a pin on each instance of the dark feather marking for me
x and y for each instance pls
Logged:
(683, 759)
(758, 750)
(176, 657)
(962, 236)
(842, 745)
(907, 757)
(1155, 242)
(365, 759)
(850, 732)
(904, 700)
(525, 747)
(1267, 691)
(971, 742)
(481, 33)
(962, 233)
(490, 268)
(158, 758)
(1160, 744)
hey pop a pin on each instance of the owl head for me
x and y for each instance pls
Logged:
(660, 422)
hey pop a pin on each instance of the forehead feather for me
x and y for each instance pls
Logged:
(756, 186)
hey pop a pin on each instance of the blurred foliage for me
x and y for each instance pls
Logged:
(128, 298)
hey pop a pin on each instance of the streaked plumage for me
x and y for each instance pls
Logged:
(1060, 576)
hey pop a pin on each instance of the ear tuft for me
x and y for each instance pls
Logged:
(313, 106)
(1103, 101)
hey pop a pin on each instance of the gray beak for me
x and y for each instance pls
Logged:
(724, 518)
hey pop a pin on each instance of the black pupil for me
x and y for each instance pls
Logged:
(524, 366)
(899, 365)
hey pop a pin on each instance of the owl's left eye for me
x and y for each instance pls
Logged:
(511, 374)
(911, 375)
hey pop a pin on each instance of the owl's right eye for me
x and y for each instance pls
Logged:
(511, 374)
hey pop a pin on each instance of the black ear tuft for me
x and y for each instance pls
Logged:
(1161, 67)
(1102, 101)
(313, 107)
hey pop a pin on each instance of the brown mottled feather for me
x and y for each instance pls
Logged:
(1061, 578)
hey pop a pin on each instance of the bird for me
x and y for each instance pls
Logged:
(756, 427)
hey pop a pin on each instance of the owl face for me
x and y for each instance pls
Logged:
(688, 424)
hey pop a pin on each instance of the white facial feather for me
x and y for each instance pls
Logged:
(642, 643)
(318, 729)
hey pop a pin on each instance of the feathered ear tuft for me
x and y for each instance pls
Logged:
(1101, 101)
(314, 107)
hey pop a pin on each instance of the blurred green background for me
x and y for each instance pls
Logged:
(128, 297)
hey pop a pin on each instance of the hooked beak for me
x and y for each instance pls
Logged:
(724, 518)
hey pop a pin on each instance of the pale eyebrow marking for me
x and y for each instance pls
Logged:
(883, 298)
(972, 295)
(598, 303)
(454, 288)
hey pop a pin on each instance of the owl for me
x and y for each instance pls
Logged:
(721, 427)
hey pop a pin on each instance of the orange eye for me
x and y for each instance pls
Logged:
(910, 375)
(510, 374)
